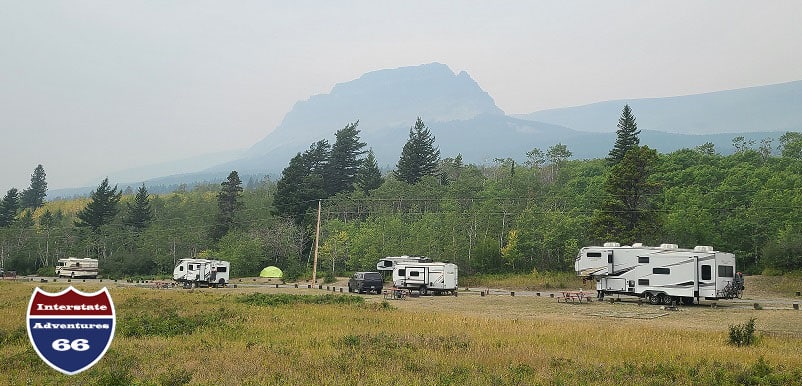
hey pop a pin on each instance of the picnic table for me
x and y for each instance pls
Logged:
(574, 296)
(395, 293)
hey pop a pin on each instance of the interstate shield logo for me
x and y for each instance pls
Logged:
(71, 330)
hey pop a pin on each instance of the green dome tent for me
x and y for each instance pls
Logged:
(271, 271)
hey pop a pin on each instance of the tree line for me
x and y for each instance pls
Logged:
(502, 217)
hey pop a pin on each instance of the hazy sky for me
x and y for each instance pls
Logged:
(88, 88)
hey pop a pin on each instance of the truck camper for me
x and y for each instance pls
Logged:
(662, 275)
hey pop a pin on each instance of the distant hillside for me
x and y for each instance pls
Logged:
(755, 109)
(465, 120)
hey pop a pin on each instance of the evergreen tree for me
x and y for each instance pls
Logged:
(419, 156)
(628, 213)
(34, 196)
(102, 207)
(627, 136)
(9, 207)
(316, 157)
(229, 203)
(139, 214)
(300, 185)
(344, 162)
(369, 176)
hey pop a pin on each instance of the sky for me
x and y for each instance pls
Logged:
(90, 88)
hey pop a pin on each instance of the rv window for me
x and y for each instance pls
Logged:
(610, 258)
(221, 269)
(181, 268)
(594, 254)
(643, 281)
(414, 273)
(707, 272)
(77, 264)
(643, 259)
(661, 271)
(726, 271)
(402, 272)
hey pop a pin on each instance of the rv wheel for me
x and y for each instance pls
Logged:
(654, 298)
(667, 300)
(423, 290)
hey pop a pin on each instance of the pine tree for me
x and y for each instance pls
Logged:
(102, 207)
(628, 213)
(344, 162)
(369, 176)
(229, 203)
(9, 207)
(627, 136)
(300, 185)
(419, 156)
(34, 196)
(140, 214)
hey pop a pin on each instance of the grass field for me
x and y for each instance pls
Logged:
(258, 334)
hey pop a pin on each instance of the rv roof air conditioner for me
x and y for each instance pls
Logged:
(703, 248)
(669, 246)
(610, 244)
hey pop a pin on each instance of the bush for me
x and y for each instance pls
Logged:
(46, 271)
(743, 334)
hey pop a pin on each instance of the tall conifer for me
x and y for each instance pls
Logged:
(419, 156)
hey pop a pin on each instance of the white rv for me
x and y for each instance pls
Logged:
(387, 264)
(202, 272)
(426, 277)
(662, 275)
(74, 267)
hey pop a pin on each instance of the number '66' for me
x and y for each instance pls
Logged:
(65, 344)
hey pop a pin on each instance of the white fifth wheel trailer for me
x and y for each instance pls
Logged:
(202, 272)
(74, 267)
(426, 277)
(387, 264)
(662, 275)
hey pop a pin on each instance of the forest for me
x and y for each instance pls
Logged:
(504, 217)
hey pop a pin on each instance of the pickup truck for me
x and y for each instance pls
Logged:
(362, 282)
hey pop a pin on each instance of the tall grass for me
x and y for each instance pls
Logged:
(249, 338)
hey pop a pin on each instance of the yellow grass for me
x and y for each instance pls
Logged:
(469, 339)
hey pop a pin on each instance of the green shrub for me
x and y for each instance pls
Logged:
(743, 334)
(46, 271)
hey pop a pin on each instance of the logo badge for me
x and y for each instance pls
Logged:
(71, 330)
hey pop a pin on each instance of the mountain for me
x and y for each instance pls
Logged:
(465, 120)
(386, 103)
(754, 109)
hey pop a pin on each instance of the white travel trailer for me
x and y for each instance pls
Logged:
(74, 267)
(387, 264)
(202, 272)
(426, 277)
(662, 275)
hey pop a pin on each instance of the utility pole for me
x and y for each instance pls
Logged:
(317, 236)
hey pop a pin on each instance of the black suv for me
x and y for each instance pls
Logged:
(366, 282)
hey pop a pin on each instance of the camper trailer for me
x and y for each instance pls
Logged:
(662, 275)
(426, 277)
(387, 264)
(202, 273)
(74, 267)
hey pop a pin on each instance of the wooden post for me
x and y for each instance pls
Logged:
(317, 236)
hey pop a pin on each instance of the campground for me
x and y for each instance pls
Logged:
(255, 333)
